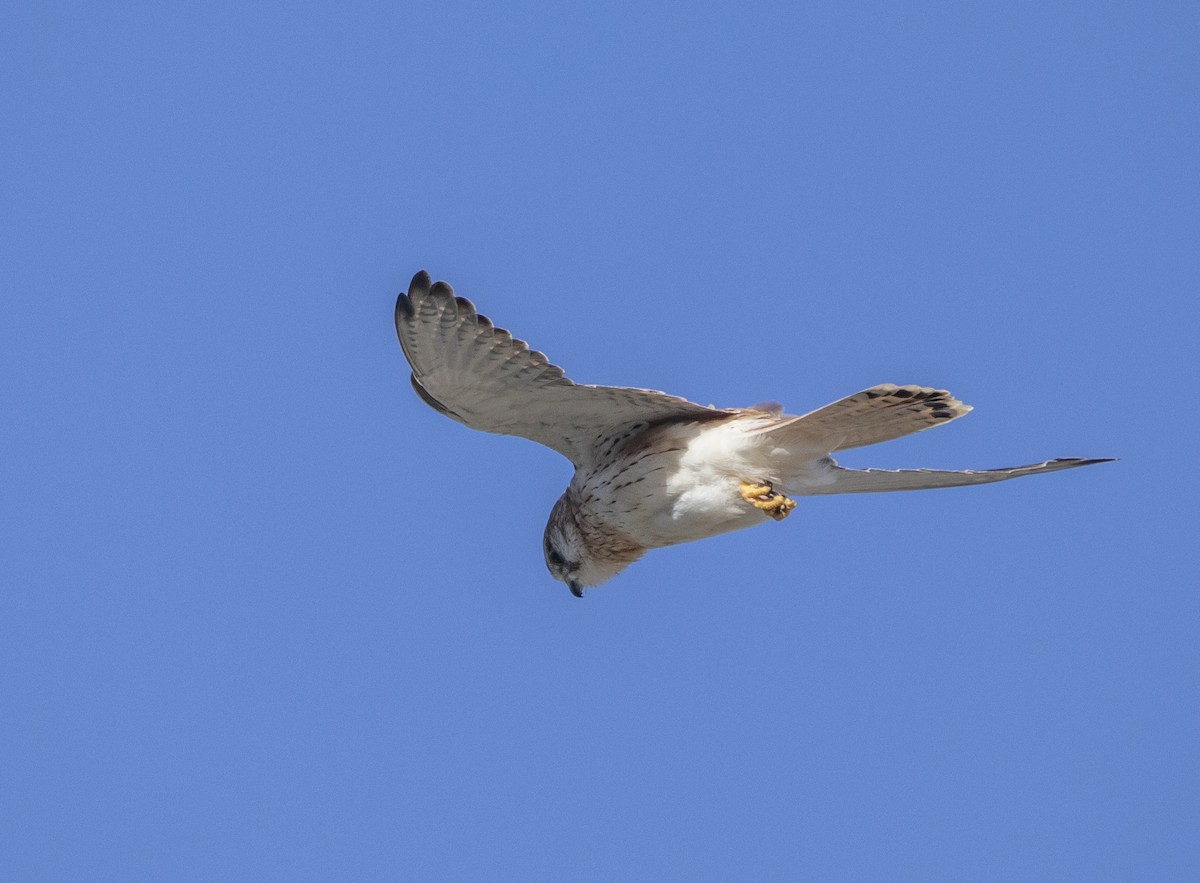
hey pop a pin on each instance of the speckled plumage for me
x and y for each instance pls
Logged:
(653, 469)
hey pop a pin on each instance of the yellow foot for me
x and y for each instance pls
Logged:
(766, 498)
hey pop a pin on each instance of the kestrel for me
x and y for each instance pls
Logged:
(652, 469)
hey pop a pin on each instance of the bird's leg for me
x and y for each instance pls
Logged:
(766, 498)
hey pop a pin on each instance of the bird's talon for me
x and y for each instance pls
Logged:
(751, 491)
(766, 498)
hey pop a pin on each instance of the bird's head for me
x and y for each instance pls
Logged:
(582, 561)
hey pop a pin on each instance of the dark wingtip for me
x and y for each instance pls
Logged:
(419, 285)
(1094, 460)
(404, 308)
(441, 289)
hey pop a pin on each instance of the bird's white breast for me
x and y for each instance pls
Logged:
(679, 483)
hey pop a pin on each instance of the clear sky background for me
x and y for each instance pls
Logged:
(265, 616)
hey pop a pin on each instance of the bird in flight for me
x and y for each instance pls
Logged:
(653, 469)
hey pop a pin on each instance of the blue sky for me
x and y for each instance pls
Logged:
(265, 616)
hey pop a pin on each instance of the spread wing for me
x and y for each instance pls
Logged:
(480, 375)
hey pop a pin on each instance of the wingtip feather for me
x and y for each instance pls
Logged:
(417, 288)
(404, 308)
(419, 285)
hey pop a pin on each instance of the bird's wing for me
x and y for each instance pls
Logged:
(838, 480)
(874, 415)
(480, 375)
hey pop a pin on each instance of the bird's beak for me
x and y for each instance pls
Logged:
(576, 589)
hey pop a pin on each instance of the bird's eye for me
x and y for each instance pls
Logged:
(556, 559)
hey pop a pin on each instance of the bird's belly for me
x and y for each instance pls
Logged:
(704, 512)
(680, 509)
(673, 490)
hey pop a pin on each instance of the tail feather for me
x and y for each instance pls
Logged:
(874, 415)
(838, 480)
